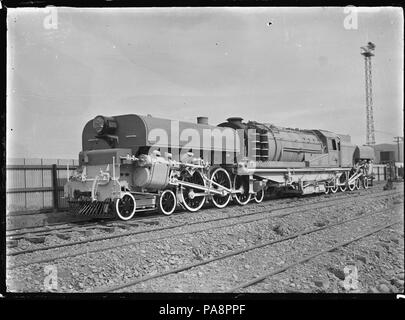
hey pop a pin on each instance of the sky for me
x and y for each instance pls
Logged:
(298, 68)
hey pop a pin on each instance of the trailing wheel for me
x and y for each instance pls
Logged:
(241, 183)
(357, 184)
(220, 177)
(365, 183)
(259, 196)
(125, 206)
(167, 202)
(193, 198)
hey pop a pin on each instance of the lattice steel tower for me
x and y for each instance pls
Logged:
(368, 52)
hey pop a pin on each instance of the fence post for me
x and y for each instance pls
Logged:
(42, 183)
(55, 187)
(25, 186)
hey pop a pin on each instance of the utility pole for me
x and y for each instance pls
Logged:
(368, 52)
(398, 140)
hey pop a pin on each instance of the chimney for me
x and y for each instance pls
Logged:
(235, 120)
(202, 120)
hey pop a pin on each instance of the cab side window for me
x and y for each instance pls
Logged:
(334, 144)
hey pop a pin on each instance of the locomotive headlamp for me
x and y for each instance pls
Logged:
(98, 124)
(104, 125)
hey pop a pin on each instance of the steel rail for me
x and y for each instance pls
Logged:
(307, 258)
(108, 222)
(91, 222)
(231, 254)
(63, 245)
(83, 252)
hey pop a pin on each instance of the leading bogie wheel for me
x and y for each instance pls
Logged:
(193, 198)
(327, 188)
(259, 196)
(125, 206)
(220, 176)
(167, 202)
(357, 184)
(241, 183)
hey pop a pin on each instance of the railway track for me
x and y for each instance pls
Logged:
(97, 226)
(309, 257)
(264, 276)
(17, 234)
(157, 232)
(326, 202)
(81, 226)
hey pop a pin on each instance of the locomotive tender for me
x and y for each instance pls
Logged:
(131, 163)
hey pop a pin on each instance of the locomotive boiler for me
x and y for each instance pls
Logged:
(131, 163)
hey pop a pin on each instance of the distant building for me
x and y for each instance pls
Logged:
(387, 152)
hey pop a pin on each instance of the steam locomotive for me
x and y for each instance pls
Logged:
(132, 163)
